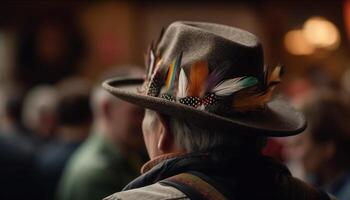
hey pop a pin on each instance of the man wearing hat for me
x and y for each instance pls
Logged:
(208, 106)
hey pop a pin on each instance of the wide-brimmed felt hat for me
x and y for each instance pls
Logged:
(213, 76)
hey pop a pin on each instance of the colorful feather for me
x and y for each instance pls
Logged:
(172, 72)
(231, 86)
(151, 63)
(157, 66)
(251, 102)
(182, 85)
(156, 80)
(275, 76)
(215, 77)
(198, 76)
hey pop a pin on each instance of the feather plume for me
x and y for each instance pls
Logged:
(151, 63)
(275, 76)
(215, 77)
(198, 76)
(182, 90)
(157, 66)
(172, 72)
(231, 86)
(155, 81)
(157, 72)
(252, 102)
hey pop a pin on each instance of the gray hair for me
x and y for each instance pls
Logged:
(195, 138)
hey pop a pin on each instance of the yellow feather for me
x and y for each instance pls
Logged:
(275, 76)
(252, 102)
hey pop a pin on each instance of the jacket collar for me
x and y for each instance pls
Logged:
(223, 164)
(157, 160)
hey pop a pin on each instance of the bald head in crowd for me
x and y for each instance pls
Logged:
(39, 110)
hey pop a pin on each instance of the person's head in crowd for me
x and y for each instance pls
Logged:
(11, 99)
(112, 155)
(39, 111)
(74, 116)
(117, 120)
(327, 139)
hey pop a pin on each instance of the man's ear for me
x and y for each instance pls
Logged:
(166, 139)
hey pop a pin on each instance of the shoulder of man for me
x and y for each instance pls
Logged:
(155, 191)
(83, 179)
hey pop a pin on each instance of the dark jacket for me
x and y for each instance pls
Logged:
(236, 177)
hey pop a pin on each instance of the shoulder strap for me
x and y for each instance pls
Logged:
(194, 187)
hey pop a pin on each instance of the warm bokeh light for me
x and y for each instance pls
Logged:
(316, 33)
(296, 43)
(321, 33)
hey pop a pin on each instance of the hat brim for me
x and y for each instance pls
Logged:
(277, 119)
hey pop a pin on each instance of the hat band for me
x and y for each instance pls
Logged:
(207, 100)
(201, 89)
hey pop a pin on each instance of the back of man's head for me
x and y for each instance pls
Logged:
(198, 138)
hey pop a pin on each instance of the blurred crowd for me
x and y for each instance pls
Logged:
(42, 130)
(320, 155)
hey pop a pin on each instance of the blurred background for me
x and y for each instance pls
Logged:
(54, 120)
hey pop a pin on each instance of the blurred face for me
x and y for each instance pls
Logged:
(126, 120)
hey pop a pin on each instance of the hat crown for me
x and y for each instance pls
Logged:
(218, 45)
(204, 65)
